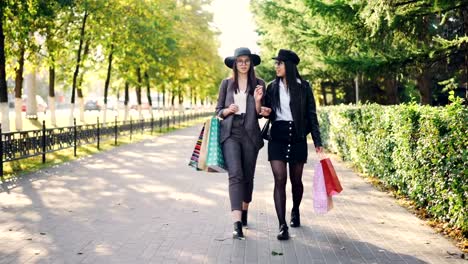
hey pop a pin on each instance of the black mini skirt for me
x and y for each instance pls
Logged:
(283, 144)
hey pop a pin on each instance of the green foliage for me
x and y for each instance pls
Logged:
(377, 39)
(420, 151)
(170, 41)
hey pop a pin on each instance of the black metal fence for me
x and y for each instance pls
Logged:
(25, 144)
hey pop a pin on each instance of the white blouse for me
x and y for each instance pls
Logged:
(240, 99)
(285, 113)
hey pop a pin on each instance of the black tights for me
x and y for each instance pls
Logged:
(279, 194)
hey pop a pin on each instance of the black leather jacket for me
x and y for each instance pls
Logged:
(303, 110)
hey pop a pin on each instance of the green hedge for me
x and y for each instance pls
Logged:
(420, 151)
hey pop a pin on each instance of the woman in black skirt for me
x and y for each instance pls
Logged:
(290, 106)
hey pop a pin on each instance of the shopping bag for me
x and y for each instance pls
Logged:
(266, 130)
(332, 183)
(196, 150)
(204, 147)
(322, 202)
(215, 158)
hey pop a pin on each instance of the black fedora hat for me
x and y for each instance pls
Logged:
(229, 61)
(287, 55)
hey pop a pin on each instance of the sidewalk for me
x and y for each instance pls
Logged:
(141, 203)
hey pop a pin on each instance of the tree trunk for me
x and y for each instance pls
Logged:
(51, 97)
(126, 101)
(349, 91)
(181, 99)
(163, 101)
(424, 86)
(5, 125)
(466, 78)
(80, 98)
(78, 63)
(391, 90)
(423, 79)
(80, 81)
(191, 96)
(138, 93)
(148, 94)
(173, 96)
(356, 88)
(324, 94)
(53, 117)
(465, 29)
(107, 83)
(158, 103)
(333, 90)
(19, 88)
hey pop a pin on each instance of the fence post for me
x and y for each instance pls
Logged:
(180, 124)
(98, 133)
(152, 124)
(142, 124)
(168, 124)
(1, 151)
(74, 137)
(160, 124)
(115, 130)
(131, 128)
(43, 142)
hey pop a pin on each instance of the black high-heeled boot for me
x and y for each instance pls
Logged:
(283, 232)
(244, 217)
(295, 218)
(237, 233)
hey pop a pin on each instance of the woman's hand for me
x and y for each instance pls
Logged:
(258, 93)
(265, 111)
(232, 109)
(319, 149)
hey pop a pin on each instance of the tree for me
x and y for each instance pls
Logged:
(160, 45)
(3, 84)
(385, 45)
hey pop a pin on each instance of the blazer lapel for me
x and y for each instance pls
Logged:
(229, 94)
(250, 105)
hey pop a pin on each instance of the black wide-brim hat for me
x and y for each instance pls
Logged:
(229, 61)
(287, 55)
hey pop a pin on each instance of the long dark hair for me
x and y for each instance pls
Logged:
(251, 78)
(292, 74)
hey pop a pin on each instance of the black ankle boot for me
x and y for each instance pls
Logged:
(283, 232)
(244, 217)
(237, 233)
(295, 218)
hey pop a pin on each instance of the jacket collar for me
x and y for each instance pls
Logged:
(230, 93)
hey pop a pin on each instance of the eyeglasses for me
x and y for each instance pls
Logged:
(243, 62)
(279, 63)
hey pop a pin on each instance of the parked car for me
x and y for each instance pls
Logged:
(41, 104)
(91, 105)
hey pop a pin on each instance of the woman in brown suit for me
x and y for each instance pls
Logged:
(239, 102)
